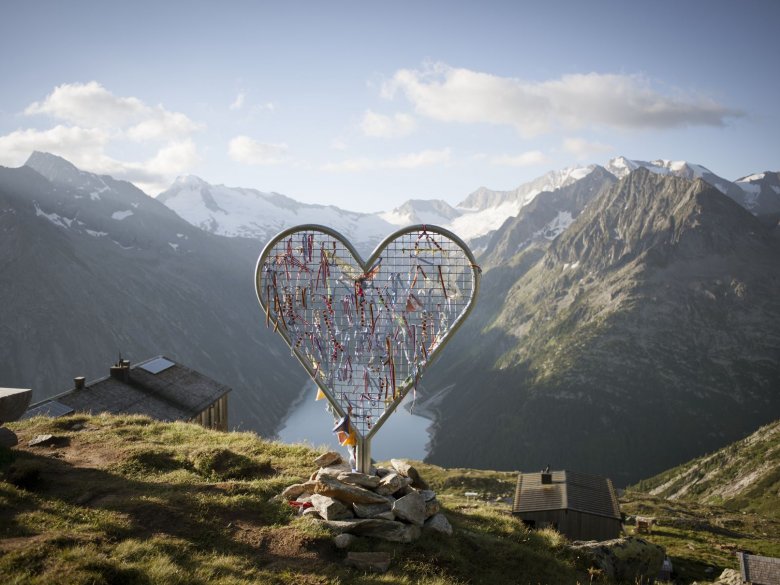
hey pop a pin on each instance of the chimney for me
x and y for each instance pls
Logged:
(78, 382)
(121, 370)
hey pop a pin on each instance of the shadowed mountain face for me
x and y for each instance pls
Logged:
(646, 334)
(92, 267)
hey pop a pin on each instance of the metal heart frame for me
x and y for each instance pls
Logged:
(365, 330)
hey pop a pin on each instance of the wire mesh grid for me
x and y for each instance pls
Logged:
(365, 331)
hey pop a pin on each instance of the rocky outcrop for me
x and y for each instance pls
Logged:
(729, 577)
(629, 560)
(389, 504)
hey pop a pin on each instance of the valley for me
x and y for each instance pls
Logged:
(617, 301)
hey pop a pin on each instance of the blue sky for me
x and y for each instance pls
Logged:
(366, 104)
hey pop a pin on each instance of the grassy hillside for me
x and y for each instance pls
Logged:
(743, 476)
(701, 539)
(128, 500)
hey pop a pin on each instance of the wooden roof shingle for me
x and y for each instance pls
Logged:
(569, 490)
(174, 393)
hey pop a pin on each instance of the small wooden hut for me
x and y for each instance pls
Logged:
(578, 505)
(758, 570)
(157, 387)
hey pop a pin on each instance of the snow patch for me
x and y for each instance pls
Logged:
(174, 246)
(56, 219)
(751, 178)
(95, 196)
(479, 223)
(557, 226)
(120, 215)
(95, 234)
(396, 218)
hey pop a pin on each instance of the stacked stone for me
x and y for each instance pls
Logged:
(391, 504)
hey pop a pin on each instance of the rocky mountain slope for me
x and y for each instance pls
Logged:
(543, 219)
(744, 475)
(91, 267)
(646, 334)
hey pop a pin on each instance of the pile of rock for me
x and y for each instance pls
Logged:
(392, 504)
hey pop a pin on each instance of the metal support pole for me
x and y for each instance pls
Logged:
(363, 455)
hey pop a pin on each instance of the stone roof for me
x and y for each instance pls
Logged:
(174, 392)
(568, 490)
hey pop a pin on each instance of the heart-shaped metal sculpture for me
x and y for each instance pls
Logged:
(366, 330)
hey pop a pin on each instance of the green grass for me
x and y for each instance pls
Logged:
(702, 479)
(698, 537)
(129, 500)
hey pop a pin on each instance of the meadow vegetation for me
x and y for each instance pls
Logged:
(129, 500)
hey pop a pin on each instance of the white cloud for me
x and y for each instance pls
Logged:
(162, 125)
(154, 174)
(582, 149)
(92, 120)
(424, 158)
(85, 148)
(79, 145)
(452, 94)
(238, 103)
(381, 126)
(531, 158)
(88, 104)
(91, 105)
(246, 150)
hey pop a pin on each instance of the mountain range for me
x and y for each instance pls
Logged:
(628, 317)
(645, 334)
(235, 211)
(93, 268)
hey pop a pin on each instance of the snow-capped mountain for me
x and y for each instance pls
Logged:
(485, 210)
(621, 166)
(414, 211)
(762, 192)
(242, 212)
(249, 213)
